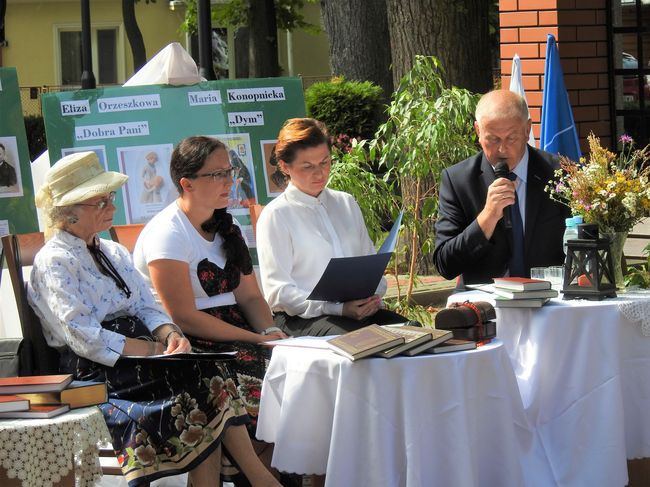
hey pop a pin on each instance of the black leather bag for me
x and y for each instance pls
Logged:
(10, 351)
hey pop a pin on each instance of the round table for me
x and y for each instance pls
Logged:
(38, 451)
(453, 419)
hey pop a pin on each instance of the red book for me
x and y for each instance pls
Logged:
(13, 403)
(34, 383)
(521, 283)
(38, 411)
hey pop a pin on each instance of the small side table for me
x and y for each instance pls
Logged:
(38, 451)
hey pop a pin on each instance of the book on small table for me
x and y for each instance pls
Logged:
(540, 293)
(364, 342)
(78, 394)
(415, 339)
(34, 383)
(13, 403)
(452, 345)
(521, 283)
(501, 302)
(37, 411)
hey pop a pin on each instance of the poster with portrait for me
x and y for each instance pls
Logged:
(274, 180)
(243, 193)
(149, 188)
(100, 150)
(11, 183)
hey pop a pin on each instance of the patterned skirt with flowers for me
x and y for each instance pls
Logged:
(250, 364)
(165, 417)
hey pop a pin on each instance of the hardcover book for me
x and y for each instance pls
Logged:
(541, 293)
(34, 383)
(38, 411)
(78, 394)
(364, 342)
(521, 283)
(13, 403)
(414, 337)
(500, 302)
(452, 345)
(439, 336)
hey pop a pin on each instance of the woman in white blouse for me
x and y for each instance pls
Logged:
(97, 311)
(302, 229)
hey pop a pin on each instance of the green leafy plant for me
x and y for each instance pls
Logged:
(352, 173)
(429, 128)
(639, 275)
(346, 107)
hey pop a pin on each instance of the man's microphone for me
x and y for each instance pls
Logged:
(501, 171)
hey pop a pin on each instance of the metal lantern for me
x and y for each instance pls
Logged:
(588, 269)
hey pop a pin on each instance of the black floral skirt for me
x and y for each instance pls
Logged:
(165, 417)
(249, 366)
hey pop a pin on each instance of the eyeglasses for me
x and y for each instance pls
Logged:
(221, 175)
(101, 204)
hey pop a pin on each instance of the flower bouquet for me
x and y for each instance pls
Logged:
(610, 190)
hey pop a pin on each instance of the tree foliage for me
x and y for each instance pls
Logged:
(235, 14)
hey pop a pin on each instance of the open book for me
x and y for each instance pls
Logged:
(349, 278)
(185, 356)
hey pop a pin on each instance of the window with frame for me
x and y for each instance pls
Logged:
(105, 67)
(630, 58)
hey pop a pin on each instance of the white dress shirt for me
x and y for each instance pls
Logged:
(71, 296)
(297, 235)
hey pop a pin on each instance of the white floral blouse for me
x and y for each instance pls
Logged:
(72, 297)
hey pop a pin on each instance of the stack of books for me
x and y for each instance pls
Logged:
(387, 341)
(47, 396)
(520, 292)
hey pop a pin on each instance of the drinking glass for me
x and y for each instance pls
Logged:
(537, 273)
(555, 274)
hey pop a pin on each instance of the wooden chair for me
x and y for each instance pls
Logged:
(37, 357)
(40, 358)
(255, 211)
(127, 235)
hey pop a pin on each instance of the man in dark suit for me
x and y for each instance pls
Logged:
(7, 171)
(473, 239)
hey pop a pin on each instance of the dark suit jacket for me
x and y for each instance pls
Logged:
(461, 246)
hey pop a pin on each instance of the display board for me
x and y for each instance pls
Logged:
(17, 209)
(134, 130)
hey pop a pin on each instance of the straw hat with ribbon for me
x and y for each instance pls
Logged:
(76, 178)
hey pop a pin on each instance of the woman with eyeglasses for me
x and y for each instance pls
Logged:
(302, 229)
(100, 315)
(194, 257)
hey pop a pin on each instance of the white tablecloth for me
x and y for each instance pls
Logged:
(584, 375)
(449, 420)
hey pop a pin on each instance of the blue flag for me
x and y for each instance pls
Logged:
(559, 134)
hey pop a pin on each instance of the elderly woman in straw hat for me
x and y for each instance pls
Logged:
(165, 417)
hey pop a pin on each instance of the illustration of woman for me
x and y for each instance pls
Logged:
(152, 183)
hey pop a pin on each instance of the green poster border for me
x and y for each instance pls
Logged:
(175, 120)
(20, 211)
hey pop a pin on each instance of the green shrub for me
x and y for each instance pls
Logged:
(35, 129)
(352, 108)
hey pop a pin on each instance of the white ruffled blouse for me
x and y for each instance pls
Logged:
(71, 296)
